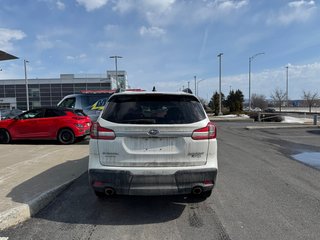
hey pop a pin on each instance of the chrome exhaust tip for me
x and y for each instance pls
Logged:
(109, 191)
(197, 190)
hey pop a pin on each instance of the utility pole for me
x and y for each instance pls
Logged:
(250, 60)
(220, 105)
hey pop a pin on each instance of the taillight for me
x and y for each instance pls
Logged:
(208, 132)
(98, 132)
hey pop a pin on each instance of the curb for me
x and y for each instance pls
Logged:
(281, 127)
(22, 213)
(231, 119)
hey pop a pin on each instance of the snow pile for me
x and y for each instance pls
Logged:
(233, 116)
(288, 119)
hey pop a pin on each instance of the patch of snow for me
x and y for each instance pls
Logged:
(233, 116)
(288, 119)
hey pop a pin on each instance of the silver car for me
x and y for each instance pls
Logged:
(150, 143)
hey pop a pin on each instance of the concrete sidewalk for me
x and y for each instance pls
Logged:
(32, 174)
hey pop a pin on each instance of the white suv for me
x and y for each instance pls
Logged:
(151, 143)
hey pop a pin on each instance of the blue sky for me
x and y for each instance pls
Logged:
(165, 43)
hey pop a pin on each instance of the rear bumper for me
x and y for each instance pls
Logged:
(125, 182)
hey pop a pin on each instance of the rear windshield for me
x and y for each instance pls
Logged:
(153, 109)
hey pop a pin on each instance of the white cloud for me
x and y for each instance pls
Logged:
(159, 5)
(214, 10)
(91, 5)
(43, 42)
(152, 31)
(164, 13)
(123, 6)
(228, 5)
(295, 11)
(60, 5)
(9, 35)
(52, 38)
(81, 56)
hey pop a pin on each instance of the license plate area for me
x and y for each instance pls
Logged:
(168, 144)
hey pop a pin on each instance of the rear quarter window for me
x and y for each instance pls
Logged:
(153, 109)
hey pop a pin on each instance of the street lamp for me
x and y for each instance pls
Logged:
(195, 85)
(199, 81)
(26, 82)
(287, 83)
(250, 60)
(219, 56)
(116, 63)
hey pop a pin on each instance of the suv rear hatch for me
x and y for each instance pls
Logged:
(153, 130)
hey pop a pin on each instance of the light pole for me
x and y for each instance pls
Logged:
(250, 60)
(287, 83)
(116, 63)
(199, 81)
(195, 85)
(26, 82)
(219, 56)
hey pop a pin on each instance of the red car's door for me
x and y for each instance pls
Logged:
(28, 125)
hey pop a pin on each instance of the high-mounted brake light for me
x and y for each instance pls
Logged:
(208, 132)
(98, 132)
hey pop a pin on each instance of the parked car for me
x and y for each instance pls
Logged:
(149, 143)
(99, 105)
(83, 101)
(52, 123)
(268, 115)
(9, 113)
(96, 108)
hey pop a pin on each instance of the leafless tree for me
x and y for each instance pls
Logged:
(279, 97)
(310, 98)
(259, 101)
(203, 101)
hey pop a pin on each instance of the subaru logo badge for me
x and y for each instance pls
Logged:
(153, 132)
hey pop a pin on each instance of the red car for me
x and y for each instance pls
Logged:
(52, 123)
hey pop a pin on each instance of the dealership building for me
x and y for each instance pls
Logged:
(49, 91)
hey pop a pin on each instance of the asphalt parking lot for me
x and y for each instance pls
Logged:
(33, 173)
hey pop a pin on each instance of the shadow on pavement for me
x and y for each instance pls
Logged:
(314, 132)
(79, 205)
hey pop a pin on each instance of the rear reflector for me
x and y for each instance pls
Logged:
(208, 132)
(98, 184)
(207, 182)
(98, 132)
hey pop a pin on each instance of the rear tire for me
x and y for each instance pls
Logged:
(4, 136)
(66, 136)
